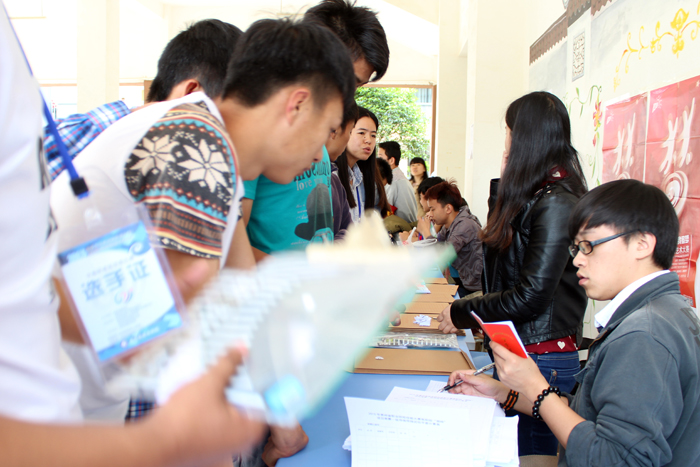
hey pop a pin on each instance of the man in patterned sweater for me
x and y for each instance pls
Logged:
(194, 60)
(178, 159)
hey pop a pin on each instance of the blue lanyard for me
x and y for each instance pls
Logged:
(77, 183)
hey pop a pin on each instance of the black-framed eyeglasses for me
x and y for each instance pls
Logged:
(586, 247)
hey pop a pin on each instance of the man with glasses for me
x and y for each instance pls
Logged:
(638, 400)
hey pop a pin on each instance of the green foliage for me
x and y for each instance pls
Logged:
(400, 119)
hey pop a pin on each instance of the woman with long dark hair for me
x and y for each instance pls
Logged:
(419, 172)
(357, 165)
(528, 275)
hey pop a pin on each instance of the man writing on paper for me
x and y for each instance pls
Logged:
(638, 400)
(460, 228)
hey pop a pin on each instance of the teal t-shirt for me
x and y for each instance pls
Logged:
(288, 217)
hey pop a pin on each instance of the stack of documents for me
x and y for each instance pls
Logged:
(418, 428)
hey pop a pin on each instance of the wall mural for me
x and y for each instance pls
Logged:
(623, 73)
(590, 158)
(676, 32)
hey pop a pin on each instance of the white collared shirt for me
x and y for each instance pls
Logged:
(603, 316)
(358, 191)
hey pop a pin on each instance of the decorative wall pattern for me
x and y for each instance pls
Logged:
(579, 48)
(581, 103)
(674, 32)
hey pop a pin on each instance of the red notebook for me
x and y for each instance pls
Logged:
(505, 334)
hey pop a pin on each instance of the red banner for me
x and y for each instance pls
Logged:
(655, 137)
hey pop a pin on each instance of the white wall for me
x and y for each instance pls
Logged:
(497, 75)
(541, 14)
(147, 25)
(451, 124)
(50, 42)
(144, 32)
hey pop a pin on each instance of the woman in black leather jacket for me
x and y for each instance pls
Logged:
(528, 275)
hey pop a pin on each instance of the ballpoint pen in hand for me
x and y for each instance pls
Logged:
(476, 373)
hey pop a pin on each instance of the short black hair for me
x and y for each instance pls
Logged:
(385, 170)
(392, 149)
(446, 193)
(358, 28)
(428, 183)
(202, 52)
(350, 115)
(274, 53)
(630, 206)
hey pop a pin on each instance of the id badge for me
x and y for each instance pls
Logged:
(122, 291)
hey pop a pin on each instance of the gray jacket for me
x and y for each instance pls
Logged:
(640, 390)
(463, 235)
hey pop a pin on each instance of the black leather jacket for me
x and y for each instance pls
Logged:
(533, 283)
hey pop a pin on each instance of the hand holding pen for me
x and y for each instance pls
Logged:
(476, 373)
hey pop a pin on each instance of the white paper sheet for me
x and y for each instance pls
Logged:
(503, 441)
(388, 433)
(435, 386)
(480, 414)
(422, 320)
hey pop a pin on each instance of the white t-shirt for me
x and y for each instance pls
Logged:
(37, 380)
(102, 164)
(401, 195)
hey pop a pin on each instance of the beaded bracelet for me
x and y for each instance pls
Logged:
(510, 400)
(536, 407)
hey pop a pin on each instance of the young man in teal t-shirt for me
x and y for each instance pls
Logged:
(287, 217)
(290, 216)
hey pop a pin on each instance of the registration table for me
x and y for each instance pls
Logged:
(329, 427)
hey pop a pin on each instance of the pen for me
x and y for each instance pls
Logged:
(476, 373)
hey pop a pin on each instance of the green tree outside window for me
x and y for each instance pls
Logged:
(400, 119)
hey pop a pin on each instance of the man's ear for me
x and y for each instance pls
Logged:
(449, 209)
(184, 88)
(643, 244)
(298, 101)
(192, 85)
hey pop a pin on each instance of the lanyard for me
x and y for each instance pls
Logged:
(80, 188)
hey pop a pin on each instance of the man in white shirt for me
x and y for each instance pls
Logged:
(390, 151)
(399, 192)
(638, 399)
(38, 386)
